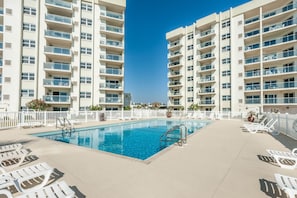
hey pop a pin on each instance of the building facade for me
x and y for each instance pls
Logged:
(241, 59)
(69, 53)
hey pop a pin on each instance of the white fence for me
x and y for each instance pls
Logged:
(287, 123)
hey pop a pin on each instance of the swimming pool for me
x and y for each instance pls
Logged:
(139, 139)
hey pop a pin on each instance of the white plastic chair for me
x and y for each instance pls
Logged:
(269, 127)
(287, 184)
(10, 147)
(13, 159)
(283, 155)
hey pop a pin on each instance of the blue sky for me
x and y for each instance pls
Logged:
(147, 23)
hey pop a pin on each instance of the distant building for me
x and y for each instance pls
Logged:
(68, 53)
(127, 99)
(241, 59)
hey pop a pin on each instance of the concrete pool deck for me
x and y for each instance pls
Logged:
(221, 160)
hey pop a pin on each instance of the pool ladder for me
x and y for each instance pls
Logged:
(65, 125)
(176, 134)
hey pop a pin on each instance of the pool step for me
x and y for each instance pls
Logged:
(176, 134)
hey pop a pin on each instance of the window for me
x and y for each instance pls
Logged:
(84, 50)
(87, 22)
(226, 98)
(226, 48)
(226, 61)
(28, 59)
(86, 7)
(27, 93)
(225, 36)
(226, 24)
(226, 85)
(190, 68)
(190, 99)
(190, 36)
(30, 11)
(29, 27)
(190, 78)
(85, 65)
(86, 36)
(190, 57)
(85, 94)
(86, 80)
(190, 47)
(226, 73)
(28, 76)
(28, 43)
(190, 89)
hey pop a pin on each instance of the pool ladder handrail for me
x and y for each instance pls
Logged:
(183, 135)
(66, 125)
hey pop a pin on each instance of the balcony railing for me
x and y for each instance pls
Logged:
(280, 70)
(207, 90)
(112, 43)
(252, 87)
(111, 57)
(59, 3)
(252, 33)
(57, 50)
(56, 82)
(59, 19)
(280, 85)
(1, 11)
(57, 34)
(111, 85)
(207, 67)
(279, 25)
(1, 62)
(173, 83)
(279, 40)
(207, 79)
(57, 66)
(111, 28)
(251, 60)
(252, 73)
(112, 15)
(1, 28)
(284, 54)
(207, 55)
(207, 102)
(56, 99)
(110, 100)
(251, 20)
(253, 101)
(111, 71)
(252, 47)
(206, 44)
(279, 11)
(286, 100)
(174, 53)
(173, 44)
(174, 63)
(206, 32)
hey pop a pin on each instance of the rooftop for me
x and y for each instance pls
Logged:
(221, 160)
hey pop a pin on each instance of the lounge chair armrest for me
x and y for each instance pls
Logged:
(45, 173)
(5, 192)
(294, 151)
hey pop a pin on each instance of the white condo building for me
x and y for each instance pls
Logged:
(69, 53)
(241, 59)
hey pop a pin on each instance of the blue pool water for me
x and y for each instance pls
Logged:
(140, 139)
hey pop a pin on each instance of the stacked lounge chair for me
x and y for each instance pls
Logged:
(29, 181)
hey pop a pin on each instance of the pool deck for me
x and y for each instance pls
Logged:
(220, 161)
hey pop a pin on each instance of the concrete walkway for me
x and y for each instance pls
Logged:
(220, 161)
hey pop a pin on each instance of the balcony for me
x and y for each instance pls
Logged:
(57, 68)
(114, 17)
(252, 47)
(174, 64)
(111, 100)
(1, 62)
(111, 72)
(279, 11)
(56, 99)
(58, 38)
(112, 44)
(174, 45)
(252, 87)
(174, 94)
(252, 60)
(281, 55)
(174, 84)
(206, 33)
(1, 28)
(207, 44)
(280, 70)
(206, 91)
(112, 58)
(252, 101)
(252, 73)
(56, 83)
(252, 33)
(285, 100)
(207, 56)
(111, 86)
(207, 79)
(58, 6)
(281, 25)
(174, 74)
(174, 54)
(58, 22)
(280, 85)
(251, 20)
(114, 30)
(207, 102)
(57, 53)
(279, 40)
(206, 68)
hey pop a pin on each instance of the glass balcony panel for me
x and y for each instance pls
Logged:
(1, 28)
(252, 73)
(57, 50)
(252, 60)
(114, 15)
(251, 20)
(57, 34)
(279, 25)
(252, 101)
(56, 82)
(279, 11)
(59, 3)
(57, 66)
(57, 18)
(56, 98)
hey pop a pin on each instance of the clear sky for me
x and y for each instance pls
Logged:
(146, 23)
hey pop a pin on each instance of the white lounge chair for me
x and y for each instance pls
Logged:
(12, 159)
(18, 177)
(253, 124)
(10, 147)
(283, 155)
(269, 127)
(55, 190)
(287, 184)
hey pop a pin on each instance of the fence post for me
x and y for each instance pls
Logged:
(287, 123)
(45, 118)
